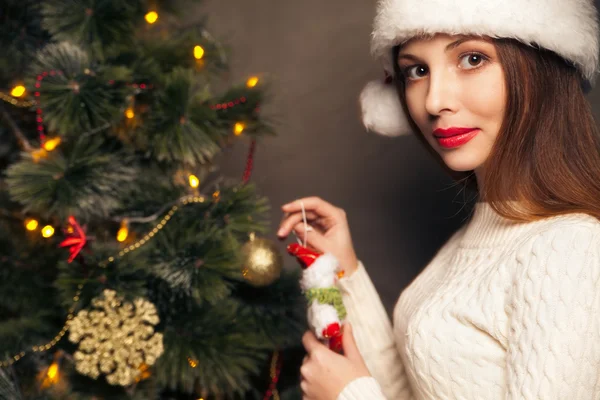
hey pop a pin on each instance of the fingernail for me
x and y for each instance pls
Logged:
(280, 232)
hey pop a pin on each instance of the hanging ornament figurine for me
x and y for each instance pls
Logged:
(326, 311)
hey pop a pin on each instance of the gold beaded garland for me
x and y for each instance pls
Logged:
(50, 344)
(274, 374)
(16, 102)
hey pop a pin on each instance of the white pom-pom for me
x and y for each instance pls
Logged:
(320, 316)
(381, 110)
(320, 274)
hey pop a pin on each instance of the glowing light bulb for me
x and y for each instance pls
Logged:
(50, 144)
(144, 373)
(151, 17)
(18, 91)
(194, 181)
(47, 231)
(38, 154)
(198, 52)
(53, 371)
(193, 363)
(123, 231)
(31, 224)
(252, 81)
(129, 113)
(238, 128)
(52, 376)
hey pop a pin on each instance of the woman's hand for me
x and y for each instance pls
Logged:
(324, 372)
(328, 229)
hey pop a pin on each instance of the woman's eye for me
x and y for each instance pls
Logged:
(472, 60)
(415, 72)
(467, 61)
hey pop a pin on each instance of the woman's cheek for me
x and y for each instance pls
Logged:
(415, 102)
(484, 95)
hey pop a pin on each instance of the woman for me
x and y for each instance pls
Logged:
(509, 307)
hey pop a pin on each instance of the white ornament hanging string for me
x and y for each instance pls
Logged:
(307, 228)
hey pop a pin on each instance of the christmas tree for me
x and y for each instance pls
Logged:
(130, 268)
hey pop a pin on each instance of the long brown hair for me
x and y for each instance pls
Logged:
(547, 153)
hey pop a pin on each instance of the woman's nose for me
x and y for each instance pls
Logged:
(441, 93)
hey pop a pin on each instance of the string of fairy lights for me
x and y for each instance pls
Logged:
(49, 144)
(183, 201)
(18, 97)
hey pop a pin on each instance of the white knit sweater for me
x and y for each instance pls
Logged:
(504, 310)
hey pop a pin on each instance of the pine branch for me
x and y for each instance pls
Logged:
(8, 387)
(86, 180)
(16, 130)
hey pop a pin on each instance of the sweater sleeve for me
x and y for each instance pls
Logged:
(554, 317)
(374, 337)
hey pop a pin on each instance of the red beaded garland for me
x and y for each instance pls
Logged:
(249, 161)
(228, 104)
(40, 118)
(275, 372)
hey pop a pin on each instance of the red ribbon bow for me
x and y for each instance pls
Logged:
(76, 242)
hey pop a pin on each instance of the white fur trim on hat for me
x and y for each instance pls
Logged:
(567, 27)
(381, 109)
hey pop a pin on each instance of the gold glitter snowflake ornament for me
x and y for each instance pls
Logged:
(116, 338)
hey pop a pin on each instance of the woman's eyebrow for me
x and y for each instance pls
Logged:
(450, 46)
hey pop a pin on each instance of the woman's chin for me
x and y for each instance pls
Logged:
(461, 164)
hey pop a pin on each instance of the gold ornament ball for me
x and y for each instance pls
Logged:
(262, 262)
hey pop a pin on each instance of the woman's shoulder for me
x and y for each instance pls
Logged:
(563, 233)
(572, 222)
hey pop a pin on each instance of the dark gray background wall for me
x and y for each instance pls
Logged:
(400, 205)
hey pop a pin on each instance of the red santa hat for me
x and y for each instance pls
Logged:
(305, 256)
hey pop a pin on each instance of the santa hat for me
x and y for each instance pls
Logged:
(308, 257)
(568, 28)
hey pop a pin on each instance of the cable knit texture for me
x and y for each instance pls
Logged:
(504, 310)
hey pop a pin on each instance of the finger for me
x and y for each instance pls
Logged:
(316, 204)
(313, 238)
(307, 390)
(305, 372)
(288, 223)
(310, 215)
(310, 342)
(304, 387)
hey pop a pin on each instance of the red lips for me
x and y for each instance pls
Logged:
(452, 131)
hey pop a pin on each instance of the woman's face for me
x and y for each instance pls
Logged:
(455, 93)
